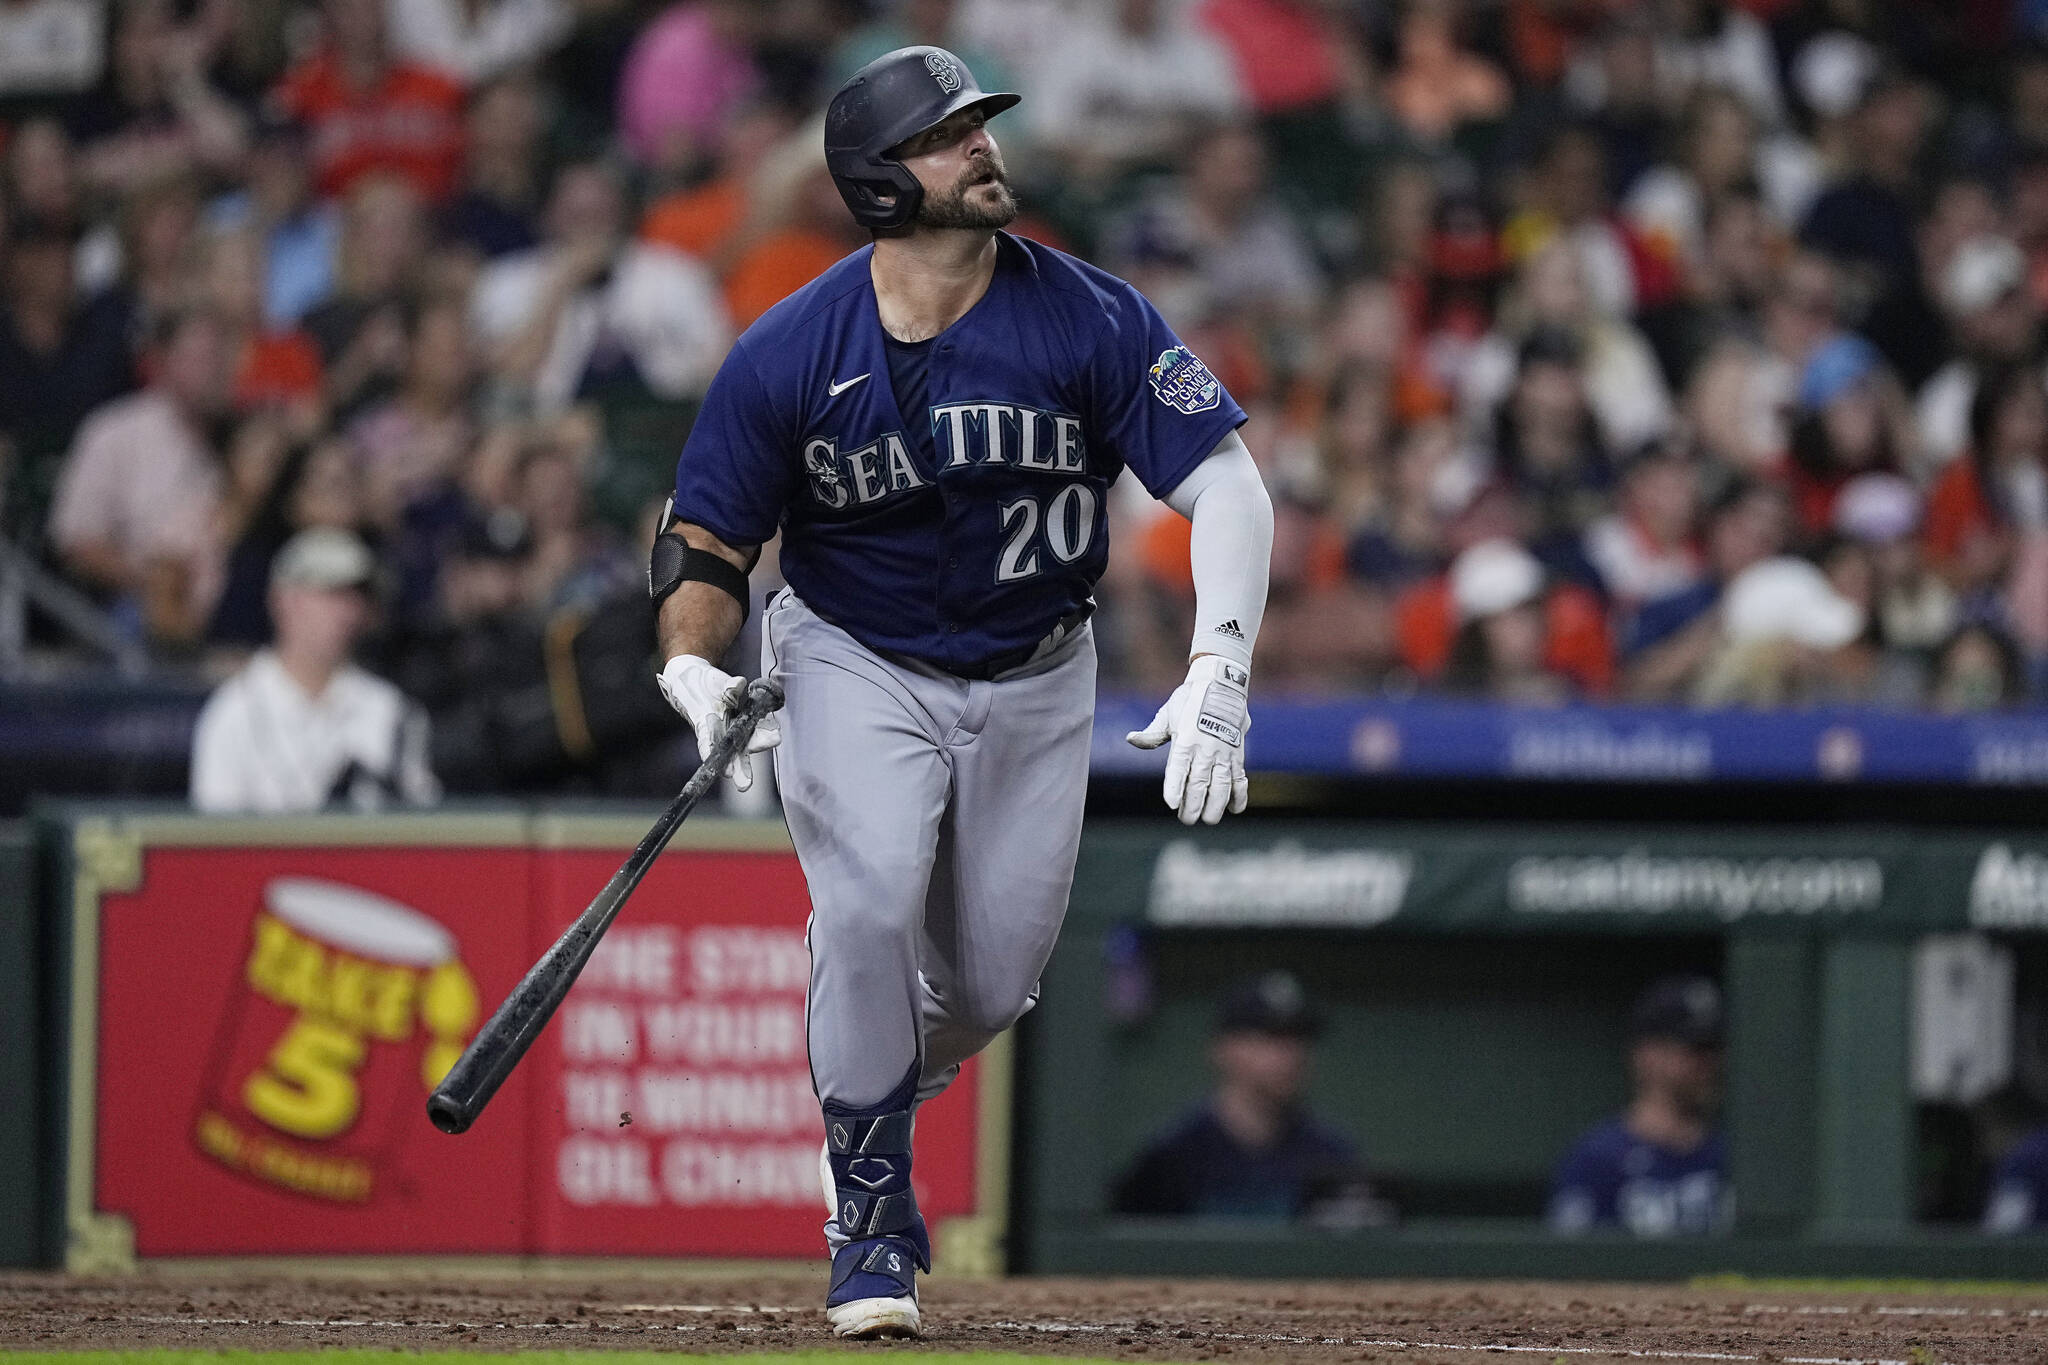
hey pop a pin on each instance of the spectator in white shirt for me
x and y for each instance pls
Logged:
(51, 48)
(476, 42)
(1127, 86)
(592, 307)
(300, 728)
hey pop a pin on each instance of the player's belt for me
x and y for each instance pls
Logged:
(1002, 663)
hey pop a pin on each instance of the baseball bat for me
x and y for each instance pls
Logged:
(503, 1040)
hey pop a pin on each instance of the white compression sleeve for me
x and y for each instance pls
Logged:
(1232, 548)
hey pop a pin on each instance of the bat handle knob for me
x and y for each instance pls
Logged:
(447, 1113)
(763, 696)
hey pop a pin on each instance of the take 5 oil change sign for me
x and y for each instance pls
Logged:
(270, 1024)
(258, 1027)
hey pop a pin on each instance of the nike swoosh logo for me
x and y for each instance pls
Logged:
(843, 385)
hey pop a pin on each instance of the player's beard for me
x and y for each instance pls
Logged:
(955, 210)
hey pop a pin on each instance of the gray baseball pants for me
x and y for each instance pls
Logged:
(937, 821)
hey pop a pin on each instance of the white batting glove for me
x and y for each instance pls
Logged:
(707, 697)
(1206, 719)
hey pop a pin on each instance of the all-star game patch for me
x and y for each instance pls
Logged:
(1183, 382)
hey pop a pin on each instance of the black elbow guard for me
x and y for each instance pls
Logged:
(675, 562)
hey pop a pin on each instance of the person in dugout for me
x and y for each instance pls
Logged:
(1251, 1149)
(1660, 1167)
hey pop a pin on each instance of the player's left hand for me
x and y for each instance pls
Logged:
(1206, 718)
(707, 697)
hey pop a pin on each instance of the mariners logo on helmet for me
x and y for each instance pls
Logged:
(1183, 382)
(944, 70)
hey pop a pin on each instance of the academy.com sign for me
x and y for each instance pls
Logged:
(1283, 883)
(1728, 888)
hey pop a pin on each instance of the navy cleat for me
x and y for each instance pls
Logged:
(874, 1288)
(878, 1237)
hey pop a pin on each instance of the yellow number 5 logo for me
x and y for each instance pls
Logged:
(309, 1087)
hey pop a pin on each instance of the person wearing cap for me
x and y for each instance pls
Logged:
(1251, 1149)
(1659, 1168)
(1499, 649)
(1995, 322)
(300, 728)
(1850, 422)
(1787, 635)
(1915, 609)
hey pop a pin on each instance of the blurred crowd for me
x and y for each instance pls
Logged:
(1646, 350)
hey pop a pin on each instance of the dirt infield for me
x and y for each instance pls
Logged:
(1399, 1323)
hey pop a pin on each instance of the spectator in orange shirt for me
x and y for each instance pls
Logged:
(1504, 647)
(270, 367)
(815, 233)
(1576, 645)
(1290, 56)
(2000, 488)
(705, 220)
(369, 111)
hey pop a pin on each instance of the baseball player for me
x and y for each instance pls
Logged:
(1660, 1167)
(933, 426)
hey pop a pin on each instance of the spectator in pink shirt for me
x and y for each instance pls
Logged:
(687, 73)
(138, 503)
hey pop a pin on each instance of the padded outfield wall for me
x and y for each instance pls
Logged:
(1478, 974)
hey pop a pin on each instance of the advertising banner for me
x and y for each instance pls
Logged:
(262, 1007)
(1441, 737)
(1528, 878)
(675, 1112)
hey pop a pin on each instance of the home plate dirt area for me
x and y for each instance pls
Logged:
(1397, 1322)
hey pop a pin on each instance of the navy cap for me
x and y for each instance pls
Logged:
(1681, 1009)
(1271, 1002)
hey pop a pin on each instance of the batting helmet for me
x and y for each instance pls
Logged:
(887, 102)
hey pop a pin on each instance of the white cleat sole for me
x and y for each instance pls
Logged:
(874, 1319)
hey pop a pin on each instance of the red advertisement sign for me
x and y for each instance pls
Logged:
(267, 1021)
(673, 1104)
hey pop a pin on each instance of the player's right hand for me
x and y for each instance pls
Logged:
(707, 697)
(1206, 718)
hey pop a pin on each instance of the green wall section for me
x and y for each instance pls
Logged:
(24, 1172)
(1477, 982)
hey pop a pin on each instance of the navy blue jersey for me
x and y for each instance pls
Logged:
(1613, 1179)
(1197, 1170)
(966, 530)
(2019, 1188)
